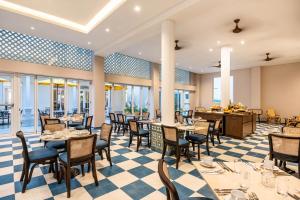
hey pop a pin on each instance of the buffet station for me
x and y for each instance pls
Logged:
(237, 121)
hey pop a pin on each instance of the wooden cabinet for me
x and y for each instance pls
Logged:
(236, 125)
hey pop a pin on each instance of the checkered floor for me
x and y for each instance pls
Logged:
(132, 176)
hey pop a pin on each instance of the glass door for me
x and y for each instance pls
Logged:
(43, 97)
(72, 90)
(85, 97)
(6, 105)
(58, 92)
(27, 103)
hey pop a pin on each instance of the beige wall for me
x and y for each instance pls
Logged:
(244, 85)
(43, 70)
(98, 91)
(280, 88)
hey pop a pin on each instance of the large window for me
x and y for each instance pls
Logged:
(182, 100)
(217, 90)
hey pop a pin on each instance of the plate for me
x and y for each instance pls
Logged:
(207, 165)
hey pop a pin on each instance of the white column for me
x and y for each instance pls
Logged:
(16, 94)
(225, 76)
(168, 72)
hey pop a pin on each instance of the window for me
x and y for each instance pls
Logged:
(217, 90)
(182, 100)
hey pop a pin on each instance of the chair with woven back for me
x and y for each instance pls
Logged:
(179, 119)
(171, 137)
(80, 151)
(285, 148)
(189, 116)
(171, 191)
(216, 132)
(157, 114)
(113, 121)
(35, 157)
(177, 113)
(53, 127)
(122, 123)
(140, 133)
(272, 116)
(104, 142)
(78, 120)
(87, 126)
(42, 121)
(201, 137)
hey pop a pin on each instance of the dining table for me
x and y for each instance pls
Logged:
(222, 181)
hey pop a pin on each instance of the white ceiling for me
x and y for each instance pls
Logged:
(270, 26)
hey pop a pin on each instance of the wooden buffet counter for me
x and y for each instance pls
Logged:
(236, 125)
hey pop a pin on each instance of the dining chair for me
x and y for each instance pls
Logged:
(104, 142)
(80, 151)
(188, 116)
(42, 121)
(285, 148)
(58, 145)
(171, 191)
(258, 112)
(140, 133)
(201, 138)
(216, 132)
(157, 114)
(177, 113)
(113, 120)
(272, 116)
(52, 121)
(172, 138)
(122, 123)
(87, 126)
(35, 157)
(179, 119)
(78, 120)
(145, 116)
(164, 176)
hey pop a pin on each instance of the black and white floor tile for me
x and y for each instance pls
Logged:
(132, 176)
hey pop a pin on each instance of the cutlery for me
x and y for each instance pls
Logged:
(251, 165)
(229, 169)
(294, 196)
(221, 165)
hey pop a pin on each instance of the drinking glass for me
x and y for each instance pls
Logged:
(282, 186)
(268, 179)
(238, 166)
(268, 164)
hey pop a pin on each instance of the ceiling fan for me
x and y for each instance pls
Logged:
(268, 58)
(237, 29)
(217, 66)
(177, 47)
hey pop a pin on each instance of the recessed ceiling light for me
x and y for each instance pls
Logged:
(107, 30)
(89, 43)
(137, 8)
(32, 28)
(210, 50)
(218, 42)
(140, 53)
(242, 42)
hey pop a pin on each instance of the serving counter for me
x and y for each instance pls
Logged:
(236, 125)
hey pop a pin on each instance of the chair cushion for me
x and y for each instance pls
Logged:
(197, 137)
(63, 157)
(56, 145)
(80, 127)
(42, 154)
(101, 144)
(183, 142)
(75, 124)
(143, 132)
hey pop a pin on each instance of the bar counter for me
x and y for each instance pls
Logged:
(235, 125)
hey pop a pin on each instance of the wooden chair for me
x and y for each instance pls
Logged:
(177, 113)
(291, 131)
(272, 116)
(216, 132)
(258, 112)
(78, 120)
(122, 123)
(157, 114)
(135, 130)
(163, 173)
(52, 121)
(104, 142)
(171, 137)
(35, 157)
(179, 119)
(188, 116)
(87, 126)
(285, 148)
(58, 145)
(42, 121)
(113, 120)
(145, 116)
(201, 138)
(80, 151)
